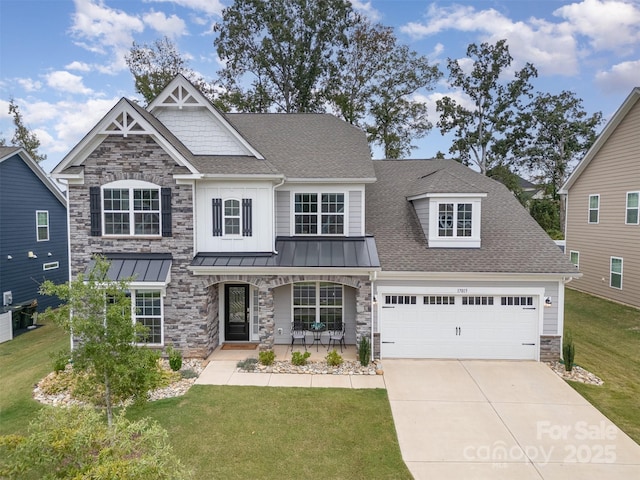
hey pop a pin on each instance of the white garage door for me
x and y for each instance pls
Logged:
(443, 326)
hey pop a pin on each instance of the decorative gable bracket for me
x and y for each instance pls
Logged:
(179, 97)
(125, 124)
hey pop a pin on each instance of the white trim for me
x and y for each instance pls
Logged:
(50, 266)
(626, 210)
(447, 195)
(560, 323)
(134, 293)
(280, 271)
(473, 276)
(589, 209)
(38, 226)
(454, 241)
(130, 186)
(319, 213)
(611, 272)
(325, 180)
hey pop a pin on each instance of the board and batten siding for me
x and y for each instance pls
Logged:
(355, 213)
(614, 171)
(550, 318)
(261, 239)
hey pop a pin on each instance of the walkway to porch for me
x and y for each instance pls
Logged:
(222, 370)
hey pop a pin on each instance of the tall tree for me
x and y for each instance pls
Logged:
(281, 53)
(560, 133)
(154, 66)
(375, 84)
(23, 137)
(484, 130)
(98, 313)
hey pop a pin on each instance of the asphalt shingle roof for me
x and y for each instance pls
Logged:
(512, 242)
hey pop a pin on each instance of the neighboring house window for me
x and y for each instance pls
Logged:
(42, 225)
(318, 302)
(575, 258)
(50, 265)
(232, 217)
(633, 208)
(454, 219)
(148, 312)
(615, 277)
(130, 208)
(594, 208)
(319, 213)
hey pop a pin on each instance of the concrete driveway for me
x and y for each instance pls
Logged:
(501, 420)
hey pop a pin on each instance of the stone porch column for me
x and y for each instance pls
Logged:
(363, 311)
(265, 318)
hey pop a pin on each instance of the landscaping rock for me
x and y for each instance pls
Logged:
(577, 374)
(319, 368)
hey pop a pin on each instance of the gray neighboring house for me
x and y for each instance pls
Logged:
(603, 205)
(233, 226)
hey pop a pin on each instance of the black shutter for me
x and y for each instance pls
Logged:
(95, 211)
(246, 217)
(217, 217)
(165, 208)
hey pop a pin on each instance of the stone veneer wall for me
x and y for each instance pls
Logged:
(139, 157)
(549, 348)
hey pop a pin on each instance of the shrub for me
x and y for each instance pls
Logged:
(188, 373)
(248, 364)
(60, 360)
(568, 351)
(364, 351)
(333, 358)
(77, 443)
(175, 358)
(299, 358)
(267, 357)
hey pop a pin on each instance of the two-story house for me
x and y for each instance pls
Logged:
(603, 205)
(33, 231)
(235, 226)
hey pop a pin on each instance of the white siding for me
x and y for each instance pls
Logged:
(422, 210)
(200, 131)
(262, 208)
(6, 327)
(283, 213)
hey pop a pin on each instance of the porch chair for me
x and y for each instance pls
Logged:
(298, 333)
(337, 336)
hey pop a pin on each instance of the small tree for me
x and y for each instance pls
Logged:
(98, 314)
(75, 443)
(23, 137)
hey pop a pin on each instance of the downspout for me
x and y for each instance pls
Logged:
(273, 247)
(66, 183)
(373, 276)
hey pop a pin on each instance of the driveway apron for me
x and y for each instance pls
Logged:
(501, 420)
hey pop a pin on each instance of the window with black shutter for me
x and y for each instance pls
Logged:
(165, 200)
(216, 204)
(95, 211)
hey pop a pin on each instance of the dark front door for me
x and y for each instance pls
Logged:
(236, 316)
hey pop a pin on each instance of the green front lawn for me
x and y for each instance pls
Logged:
(24, 361)
(236, 432)
(606, 336)
(265, 432)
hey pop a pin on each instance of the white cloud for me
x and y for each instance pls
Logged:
(172, 26)
(29, 84)
(67, 82)
(609, 24)
(79, 66)
(105, 31)
(549, 46)
(209, 7)
(621, 77)
(366, 9)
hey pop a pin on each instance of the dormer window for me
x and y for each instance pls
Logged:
(454, 220)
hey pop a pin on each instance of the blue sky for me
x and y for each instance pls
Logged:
(63, 60)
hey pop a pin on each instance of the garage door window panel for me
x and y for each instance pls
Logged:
(438, 300)
(517, 301)
(400, 299)
(477, 300)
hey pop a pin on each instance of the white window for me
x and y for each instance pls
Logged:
(232, 217)
(148, 311)
(615, 276)
(319, 213)
(633, 208)
(454, 220)
(318, 302)
(594, 208)
(50, 266)
(131, 209)
(42, 225)
(575, 258)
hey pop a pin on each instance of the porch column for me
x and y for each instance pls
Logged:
(363, 311)
(265, 318)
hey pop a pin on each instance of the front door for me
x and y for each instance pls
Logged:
(236, 317)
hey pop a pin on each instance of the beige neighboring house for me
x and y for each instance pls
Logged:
(603, 210)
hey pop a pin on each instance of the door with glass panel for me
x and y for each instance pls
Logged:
(236, 318)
